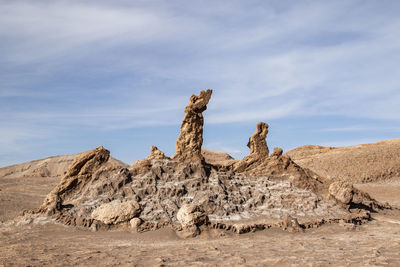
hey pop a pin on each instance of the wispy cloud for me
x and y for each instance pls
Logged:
(127, 64)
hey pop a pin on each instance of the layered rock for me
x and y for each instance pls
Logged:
(188, 192)
(77, 177)
(190, 140)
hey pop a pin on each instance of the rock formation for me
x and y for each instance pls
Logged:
(190, 140)
(114, 213)
(342, 191)
(155, 153)
(258, 148)
(257, 143)
(78, 175)
(187, 193)
(191, 217)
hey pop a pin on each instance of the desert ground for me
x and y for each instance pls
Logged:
(375, 243)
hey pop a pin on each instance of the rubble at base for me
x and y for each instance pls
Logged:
(189, 194)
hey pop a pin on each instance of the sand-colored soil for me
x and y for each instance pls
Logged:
(374, 244)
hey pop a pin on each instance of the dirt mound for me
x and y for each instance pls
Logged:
(258, 192)
(357, 164)
(218, 158)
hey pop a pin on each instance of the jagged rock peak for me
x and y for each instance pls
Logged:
(190, 140)
(257, 143)
(156, 153)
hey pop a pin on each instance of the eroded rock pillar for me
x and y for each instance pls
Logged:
(190, 140)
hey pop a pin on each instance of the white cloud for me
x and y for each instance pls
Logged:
(126, 64)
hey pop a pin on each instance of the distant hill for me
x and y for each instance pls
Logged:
(358, 164)
(48, 167)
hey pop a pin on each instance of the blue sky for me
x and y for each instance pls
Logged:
(78, 74)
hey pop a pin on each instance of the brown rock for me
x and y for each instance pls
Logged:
(135, 223)
(155, 153)
(78, 174)
(341, 191)
(190, 140)
(190, 214)
(258, 149)
(114, 213)
(257, 144)
(191, 217)
(277, 152)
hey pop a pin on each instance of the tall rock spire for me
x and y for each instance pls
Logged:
(190, 140)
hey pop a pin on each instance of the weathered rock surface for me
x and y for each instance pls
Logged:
(257, 143)
(190, 140)
(191, 191)
(191, 217)
(190, 214)
(155, 153)
(114, 213)
(341, 191)
(135, 223)
(258, 149)
(78, 176)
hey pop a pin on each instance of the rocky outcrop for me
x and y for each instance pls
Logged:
(190, 140)
(258, 149)
(190, 214)
(342, 191)
(77, 177)
(114, 213)
(190, 192)
(155, 153)
(191, 217)
(257, 143)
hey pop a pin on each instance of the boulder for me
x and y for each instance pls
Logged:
(341, 191)
(191, 217)
(135, 223)
(190, 214)
(114, 213)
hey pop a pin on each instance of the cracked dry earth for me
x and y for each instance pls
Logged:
(376, 243)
